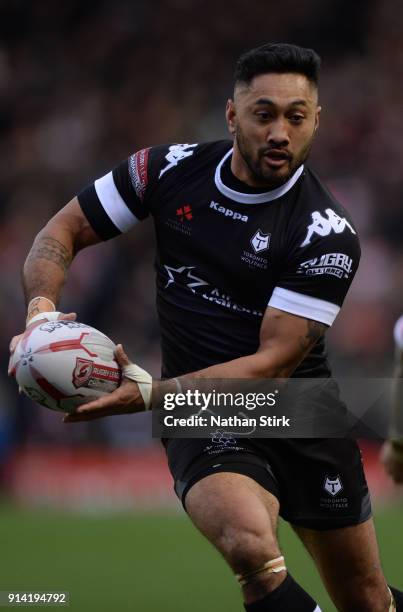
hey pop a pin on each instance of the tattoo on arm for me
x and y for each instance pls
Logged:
(314, 331)
(52, 250)
(34, 306)
(33, 309)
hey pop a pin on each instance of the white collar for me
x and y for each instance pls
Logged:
(253, 198)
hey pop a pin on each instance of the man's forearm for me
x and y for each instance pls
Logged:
(275, 359)
(256, 365)
(253, 366)
(45, 267)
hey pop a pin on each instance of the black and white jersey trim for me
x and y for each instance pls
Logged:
(113, 203)
(110, 204)
(253, 198)
(96, 215)
(304, 305)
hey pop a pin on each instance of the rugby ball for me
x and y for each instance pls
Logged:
(63, 364)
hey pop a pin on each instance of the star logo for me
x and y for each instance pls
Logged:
(185, 273)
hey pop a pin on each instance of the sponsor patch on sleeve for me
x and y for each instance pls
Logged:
(138, 169)
(333, 264)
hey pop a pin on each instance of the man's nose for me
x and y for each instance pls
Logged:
(278, 135)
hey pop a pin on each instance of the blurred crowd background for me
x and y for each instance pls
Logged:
(85, 84)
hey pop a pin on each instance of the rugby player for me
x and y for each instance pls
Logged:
(392, 450)
(254, 260)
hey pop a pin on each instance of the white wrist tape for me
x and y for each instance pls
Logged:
(41, 297)
(143, 379)
(179, 387)
(49, 316)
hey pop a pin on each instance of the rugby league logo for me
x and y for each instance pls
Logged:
(82, 372)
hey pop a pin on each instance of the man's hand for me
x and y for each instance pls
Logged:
(392, 461)
(71, 316)
(124, 400)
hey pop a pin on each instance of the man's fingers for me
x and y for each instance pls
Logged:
(74, 417)
(9, 367)
(14, 342)
(99, 405)
(71, 316)
(93, 410)
(107, 405)
(121, 356)
(13, 346)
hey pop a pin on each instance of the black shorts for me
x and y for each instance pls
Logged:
(320, 483)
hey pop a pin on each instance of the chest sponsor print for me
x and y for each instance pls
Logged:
(187, 276)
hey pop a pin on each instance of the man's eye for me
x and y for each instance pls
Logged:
(296, 118)
(263, 115)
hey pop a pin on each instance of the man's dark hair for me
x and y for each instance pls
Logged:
(280, 58)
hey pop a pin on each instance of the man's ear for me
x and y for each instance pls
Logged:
(230, 115)
(318, 109)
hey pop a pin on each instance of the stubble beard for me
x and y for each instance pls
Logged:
(267, 179)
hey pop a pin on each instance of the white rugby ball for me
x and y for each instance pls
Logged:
(63, 364)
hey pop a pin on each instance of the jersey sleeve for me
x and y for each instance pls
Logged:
(114, 203)
(318, 272)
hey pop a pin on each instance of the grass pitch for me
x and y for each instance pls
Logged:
(146, 562)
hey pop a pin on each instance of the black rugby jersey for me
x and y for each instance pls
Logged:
(224, 254)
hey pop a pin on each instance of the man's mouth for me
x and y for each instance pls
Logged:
(276, 158)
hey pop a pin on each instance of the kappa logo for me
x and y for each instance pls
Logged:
(324, 226)
(333, 486)
(227, 212)
(260, 242)
(175, 154)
